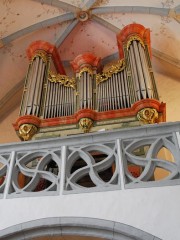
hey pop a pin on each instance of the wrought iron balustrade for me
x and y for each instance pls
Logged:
(146, 156)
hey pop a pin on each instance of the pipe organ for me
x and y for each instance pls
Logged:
(122, 92)
(60, 97)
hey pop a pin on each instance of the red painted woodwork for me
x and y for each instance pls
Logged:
(96, 116)
(133, 30)
(83, 60)
(49, 49)
(134, 170)
(27, 119)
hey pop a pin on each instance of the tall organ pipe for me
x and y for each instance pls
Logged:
(85, 90)
(34, 86)
(134, 72)
(40, 87)
(142, 77)
(145, 70)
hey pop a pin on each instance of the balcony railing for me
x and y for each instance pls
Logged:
(146, 156)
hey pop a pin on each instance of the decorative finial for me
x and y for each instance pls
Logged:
(147, 115)
(27, 131)
(85, 124)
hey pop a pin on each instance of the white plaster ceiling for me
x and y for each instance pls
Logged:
(22, 22)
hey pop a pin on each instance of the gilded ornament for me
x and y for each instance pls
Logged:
(86, 69)
(62, 79)
(134, 38)
(111, 70)
(27, 131)
(40, 54)
(85, 124)
(147, 115)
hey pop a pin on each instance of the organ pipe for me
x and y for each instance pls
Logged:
(85, 88)
(145, 86)
(35, 78)
(59, 102)
(113, 94)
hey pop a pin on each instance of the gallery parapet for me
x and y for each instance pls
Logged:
(101, 161)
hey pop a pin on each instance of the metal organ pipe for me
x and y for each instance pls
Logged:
(32, 87)
(81, 83)
(109, 83)
(28, 87)
(85, 90)
(140, 71)
(105, 96)
(117, 90)
(35, 81)
(60, 100)
(89, 90)
(98, 97)
(53, 100)
(114, 92)
(40, 87)
(145, 70)
(126, 90)
(56, 101)
(131, 84)
(134, 71)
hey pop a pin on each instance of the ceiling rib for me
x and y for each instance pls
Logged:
(131, 9)
(37, 26)
(63, 35)
(11, 99)
(88, 5)
(85, 6)
(59, 4)
(105, 23)
(73, 14)
(167, 58)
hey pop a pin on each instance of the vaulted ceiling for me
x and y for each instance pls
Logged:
(77, 26)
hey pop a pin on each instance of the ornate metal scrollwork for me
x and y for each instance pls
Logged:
(40, 54)
(111, 70)
(134, 38)
(147, 115)
(86, 124)
(62, 79)
(27, 131)
(86, 69)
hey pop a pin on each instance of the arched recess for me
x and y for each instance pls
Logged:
(69, 226)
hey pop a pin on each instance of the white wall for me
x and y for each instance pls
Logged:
(154, 210)
(7, 132)
(169, 92)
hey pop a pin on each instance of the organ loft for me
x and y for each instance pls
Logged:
(116, 95)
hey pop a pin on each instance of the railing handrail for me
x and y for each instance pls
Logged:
(95, 137)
